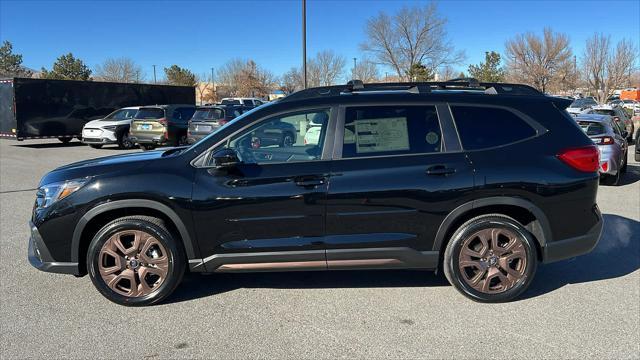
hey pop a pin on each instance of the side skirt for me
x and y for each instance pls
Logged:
(313, 260)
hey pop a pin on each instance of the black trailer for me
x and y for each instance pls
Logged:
(41, 108)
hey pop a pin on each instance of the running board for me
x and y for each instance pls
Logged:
(335, 259)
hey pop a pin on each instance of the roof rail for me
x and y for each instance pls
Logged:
(460, 84)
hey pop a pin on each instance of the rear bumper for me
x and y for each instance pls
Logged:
(40, 258)
(572, 247)
(148, 139)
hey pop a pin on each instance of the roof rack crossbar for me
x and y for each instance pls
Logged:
(461, 84)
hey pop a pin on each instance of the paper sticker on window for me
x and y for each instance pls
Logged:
(381, 135)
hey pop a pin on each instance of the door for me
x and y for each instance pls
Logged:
(399, 171)
(267, 212)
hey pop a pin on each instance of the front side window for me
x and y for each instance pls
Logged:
(277, 139)
(391, 130)
(486, 127)
(122, 114)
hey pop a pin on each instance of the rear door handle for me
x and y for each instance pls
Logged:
(309, 181)
(440, 170)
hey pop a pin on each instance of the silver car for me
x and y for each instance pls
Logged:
(611, 143)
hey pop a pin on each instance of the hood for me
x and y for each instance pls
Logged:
(103, 165)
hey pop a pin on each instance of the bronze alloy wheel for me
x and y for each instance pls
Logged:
(133, 263)
(492, 260)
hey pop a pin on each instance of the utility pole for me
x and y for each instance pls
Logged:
(354, 69)
(154, 75)
(304, 42)
(213, 85)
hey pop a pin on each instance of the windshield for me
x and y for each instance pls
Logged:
(231, 102)
(149, 113)
(628, 101)
(239, 118)
(592, 128)
(122, 114)
(603, 112)
(583, 102)
(208, 114)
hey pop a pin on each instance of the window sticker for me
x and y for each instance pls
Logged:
(381, 135)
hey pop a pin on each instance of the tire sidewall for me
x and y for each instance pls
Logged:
(173, 273)
(455, 246)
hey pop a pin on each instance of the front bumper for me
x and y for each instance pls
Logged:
(102, 141)
(572, 247)
(40, 258)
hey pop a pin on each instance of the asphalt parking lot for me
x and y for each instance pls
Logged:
(584, 307)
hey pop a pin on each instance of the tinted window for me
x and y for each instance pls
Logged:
(150, 113)
(208, 114)
(123, 114)
(277, 139)
(583, 102)
(390, 130)
(230, 102)
(485, 127)
(592, 128)
(186, 113)
(603, 112)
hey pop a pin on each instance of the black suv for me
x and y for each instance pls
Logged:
(482, 180)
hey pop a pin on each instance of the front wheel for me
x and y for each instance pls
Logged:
(135, 261)
(65, 140)
(491, 258)
(96, 146)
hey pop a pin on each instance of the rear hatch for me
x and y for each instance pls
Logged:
(206, 120)
(149, 121)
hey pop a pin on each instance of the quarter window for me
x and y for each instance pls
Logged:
(485, 127)
(391, 130)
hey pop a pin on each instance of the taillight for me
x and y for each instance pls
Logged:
(222, 122)
(616, 118)
(605, 140)
(582, 159)
(162, 121)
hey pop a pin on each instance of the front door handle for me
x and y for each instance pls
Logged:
(309, 181)
(440, 170)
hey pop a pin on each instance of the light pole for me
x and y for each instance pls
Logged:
(304, 42)
(213, 85)
(354, 69)
(154, 75)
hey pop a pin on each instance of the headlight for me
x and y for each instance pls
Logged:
(48, 194)
(110, 127)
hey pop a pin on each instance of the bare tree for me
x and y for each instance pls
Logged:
(291, 81)
(447, 72)
(414, 35)
(367, 71)
(119, 70)
(607, 69)
(245, 78)
(203, 86)
(325, 68)
(537, 60)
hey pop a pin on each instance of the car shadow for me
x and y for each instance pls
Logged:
(631, 176)
(48, 145)
(617, 254)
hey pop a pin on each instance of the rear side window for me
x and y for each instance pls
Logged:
(391, 130)
(485, 127)
(149, 113)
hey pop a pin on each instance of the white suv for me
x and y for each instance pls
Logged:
(113, 129)
(254, 102)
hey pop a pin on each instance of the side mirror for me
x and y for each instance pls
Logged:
(225, 158)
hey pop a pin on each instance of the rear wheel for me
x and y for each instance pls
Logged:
(65, 140)
(287, 140)
(146, 147)
(611, 180)
(135, 261)
(491, 258)
(96, 146)
(124, 141)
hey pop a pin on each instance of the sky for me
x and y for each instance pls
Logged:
(200, 35)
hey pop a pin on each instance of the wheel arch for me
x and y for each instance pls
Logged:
(100, 215)
(522, 210)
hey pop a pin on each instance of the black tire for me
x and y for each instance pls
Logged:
(466, 231)
(146, 147)
(96, 146)
(124, 142)
(151, 226)
(610, 180)
(65, 140)
(624, 167)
